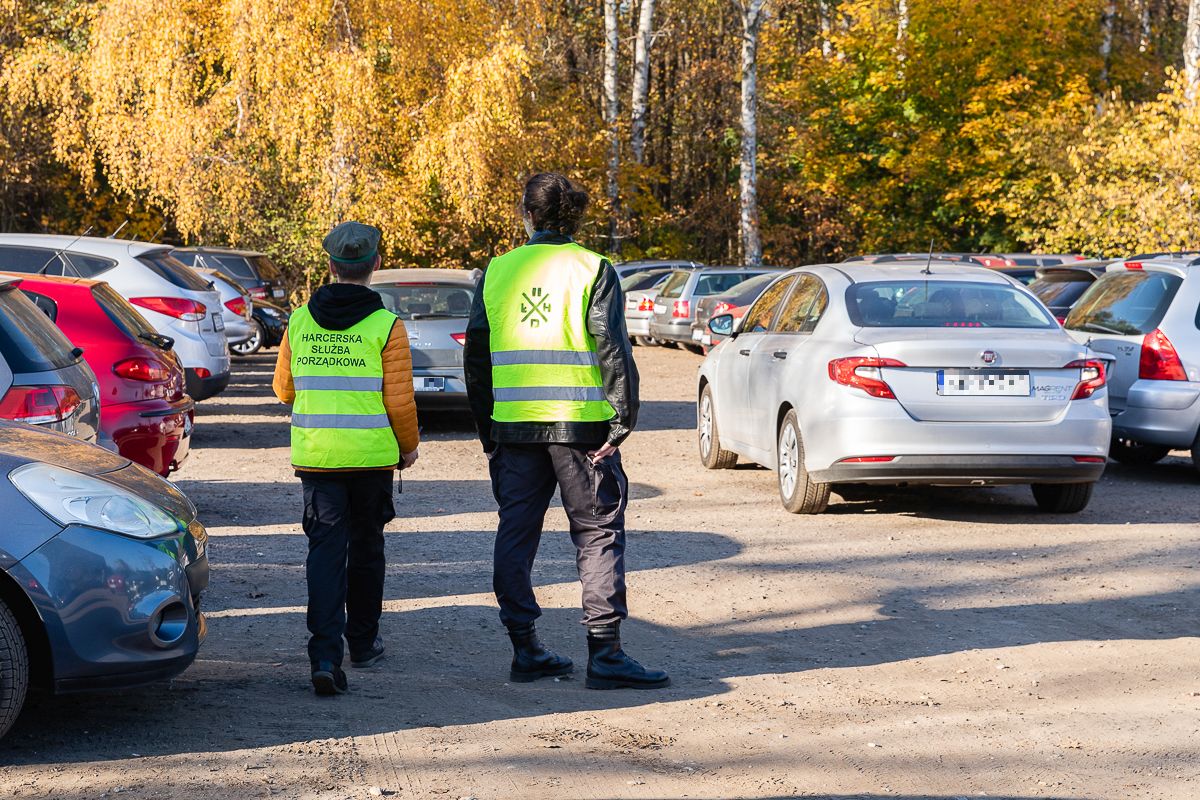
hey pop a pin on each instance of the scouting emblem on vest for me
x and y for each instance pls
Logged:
(535, 307)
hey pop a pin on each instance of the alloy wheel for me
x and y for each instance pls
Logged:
(706, 425)
(252, 344)
(789, 460)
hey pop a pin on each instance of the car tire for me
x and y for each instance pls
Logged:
(694, 348)
(1136, 454)
(799, 493)
(708, 439)
(14, 669)
(253, 344)
(1062, 498)
(1196, 453)
(646, 341)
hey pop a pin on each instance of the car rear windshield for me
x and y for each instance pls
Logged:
(1125, 303)
(674, 285)
(122, 314)
(427, 300)
(266, 268)
(640, 280)
(29, 341)
(165, 265)
(1060, 291)
(943, 304)
(748, 291)
(710, 283)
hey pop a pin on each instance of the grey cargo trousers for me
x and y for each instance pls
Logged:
(524, 477)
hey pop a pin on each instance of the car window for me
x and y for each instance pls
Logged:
(804, 306)
(1059, 292)
(642, 280)
(28, 341)
(426, 300)
(916, 303)
(759, 317)
(674, 285)
(163, 264)
(185, 257)
(122, 314)
(82, 265)
(746, 291)
(266, 268)
(710, 283)
(1125, 303)
(233, 266)
(46, 305)
(30, 260)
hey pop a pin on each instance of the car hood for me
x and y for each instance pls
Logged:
(24, 444)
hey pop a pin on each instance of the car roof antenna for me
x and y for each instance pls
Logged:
(70, 244)
(158, 232)
(120, 228)
(928, 261)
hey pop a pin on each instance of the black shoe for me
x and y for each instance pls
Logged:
(531, 660)
(370, 657)
(328, 680)
(609, 667)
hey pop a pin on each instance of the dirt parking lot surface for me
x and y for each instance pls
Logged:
(922, 643)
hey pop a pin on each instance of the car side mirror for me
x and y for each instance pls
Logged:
(721, 325)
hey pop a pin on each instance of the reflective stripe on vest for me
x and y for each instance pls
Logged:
(544, 362)
(338, 418)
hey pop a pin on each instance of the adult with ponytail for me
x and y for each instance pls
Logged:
(554, 391)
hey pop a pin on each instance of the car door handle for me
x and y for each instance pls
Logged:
(743, 352)
(780, 354)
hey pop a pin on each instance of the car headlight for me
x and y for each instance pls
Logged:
(71, 497)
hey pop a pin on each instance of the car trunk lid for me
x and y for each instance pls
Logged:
(977, 375)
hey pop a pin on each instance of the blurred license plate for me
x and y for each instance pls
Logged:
(277, 293)
(429, 384)
(982, 383)
(659, 308)
(697, 335)
(218, 322)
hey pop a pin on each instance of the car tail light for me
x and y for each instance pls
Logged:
(461, 338)
(681, 309)
(1091, 377)
(37, 405)
(147, 370)
(203, 373)
(646, 305)
(722, 308)
(864, 373)
(867, 460)
(1160, 361)
(237, 305)
(1090, 459)
(177, 307)
(1061, 320)
(259, 293)
(1133, 265)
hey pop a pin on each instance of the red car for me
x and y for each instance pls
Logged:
(143, 407)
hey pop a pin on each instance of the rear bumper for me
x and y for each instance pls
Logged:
(674, 331)
(1160, 412)
(453, 396)
(154, 434)
(637, 325)
(965, 470)
(204, 388)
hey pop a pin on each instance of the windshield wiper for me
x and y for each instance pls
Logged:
(158, 340)
(1095, 326)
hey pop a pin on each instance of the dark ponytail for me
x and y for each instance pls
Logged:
(554, 203)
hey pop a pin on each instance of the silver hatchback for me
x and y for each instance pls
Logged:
(860, 373)
(1143, 317)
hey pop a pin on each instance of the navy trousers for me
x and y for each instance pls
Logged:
(344, 516)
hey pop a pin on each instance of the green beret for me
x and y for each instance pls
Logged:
(352, 243)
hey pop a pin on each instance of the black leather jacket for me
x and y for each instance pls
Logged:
(606, 323)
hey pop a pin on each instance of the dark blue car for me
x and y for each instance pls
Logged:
(102, 563)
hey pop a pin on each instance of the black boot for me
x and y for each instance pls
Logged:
(531, 660)
(609, 667)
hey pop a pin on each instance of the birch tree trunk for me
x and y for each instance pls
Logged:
(825, 25)
(752, 18)
(901, 21)
(1191, 47)
(641, 80)
(612, 107)
(1107, 22)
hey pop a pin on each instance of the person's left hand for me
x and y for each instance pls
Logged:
(408, 459)
(606, 450)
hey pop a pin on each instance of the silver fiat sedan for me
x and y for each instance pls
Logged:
(902, 374)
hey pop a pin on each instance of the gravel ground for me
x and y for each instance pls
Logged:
(922, 643)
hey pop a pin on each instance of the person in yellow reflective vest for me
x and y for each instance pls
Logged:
(554, 391)
(345, 368)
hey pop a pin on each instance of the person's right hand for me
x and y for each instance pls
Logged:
(408, 459)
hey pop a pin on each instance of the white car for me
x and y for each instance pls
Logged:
(237, 308)
(883, 374)
(174, 299)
